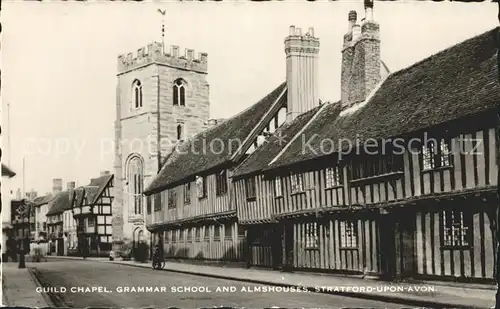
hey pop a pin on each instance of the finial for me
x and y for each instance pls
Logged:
(162, 12)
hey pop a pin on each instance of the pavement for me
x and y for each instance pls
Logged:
(413, 294)
(19, 288)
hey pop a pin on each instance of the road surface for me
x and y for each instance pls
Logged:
(110, 283)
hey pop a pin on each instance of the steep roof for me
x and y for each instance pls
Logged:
(7, 171)
(214, 146)
(59, 204)
(262, 156)
(101, 183)
(92, 191)
(42, 200)
(456, 82)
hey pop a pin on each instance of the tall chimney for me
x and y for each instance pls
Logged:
(347, 55)
(301, 72)
(70, 185)
(362, 77)
(57, 185)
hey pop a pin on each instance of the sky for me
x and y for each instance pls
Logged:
(59, 63)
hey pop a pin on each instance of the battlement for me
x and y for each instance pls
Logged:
(154, 53)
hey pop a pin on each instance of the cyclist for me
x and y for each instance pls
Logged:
(157, 257)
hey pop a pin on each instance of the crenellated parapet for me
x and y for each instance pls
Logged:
(154, 53)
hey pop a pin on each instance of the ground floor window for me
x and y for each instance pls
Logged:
(456, 228)
(312, 239)
(348, 235)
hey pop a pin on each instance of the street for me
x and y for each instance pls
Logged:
(93, 284)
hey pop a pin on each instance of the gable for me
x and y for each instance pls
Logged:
(218, 145)
(272, 146)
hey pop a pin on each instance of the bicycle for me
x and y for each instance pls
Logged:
(158, 261)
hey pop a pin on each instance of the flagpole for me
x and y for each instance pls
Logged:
(162, 12)
(8, 134)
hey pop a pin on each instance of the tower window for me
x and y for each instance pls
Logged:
(180, 135)
(137, 88)
(179, 94)
(135, 184)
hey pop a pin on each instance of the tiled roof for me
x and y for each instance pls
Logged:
(91, 193)
(59, 204)
(42, 200)
(459, 81)
(214, 146)
(6, 171)
(263, 155)
(101, 183)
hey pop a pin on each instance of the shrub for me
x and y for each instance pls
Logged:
(126, 251)
(141, 252)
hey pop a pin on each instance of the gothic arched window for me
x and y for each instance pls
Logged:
(135, 184)
(180, 133)
(137, 91)
(179, 95)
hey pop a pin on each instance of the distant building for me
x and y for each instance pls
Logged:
(57, 206)
(91, 215)
(5, 206)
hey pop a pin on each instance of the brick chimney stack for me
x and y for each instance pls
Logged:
(57, 186)
(347, 55)
(360, 58)
(301, 72)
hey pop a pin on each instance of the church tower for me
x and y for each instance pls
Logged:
(162, 98)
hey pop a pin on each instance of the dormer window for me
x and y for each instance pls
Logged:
(435, 154)
(137, 91)
(179, 95)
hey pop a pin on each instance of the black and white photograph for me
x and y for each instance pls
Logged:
(241, 154)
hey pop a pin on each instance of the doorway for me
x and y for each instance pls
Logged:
(387, 234)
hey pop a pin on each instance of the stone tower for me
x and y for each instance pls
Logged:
(162, 98)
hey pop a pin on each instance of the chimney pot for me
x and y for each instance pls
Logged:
(353, 16)
(298, 31)
(311, 31)
(292, 30)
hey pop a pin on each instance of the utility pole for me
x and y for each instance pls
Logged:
(24, 177)
(8, 135)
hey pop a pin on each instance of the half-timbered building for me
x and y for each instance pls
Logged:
(91, 209)
(191, 204)
(55, 223)
(398, 178)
